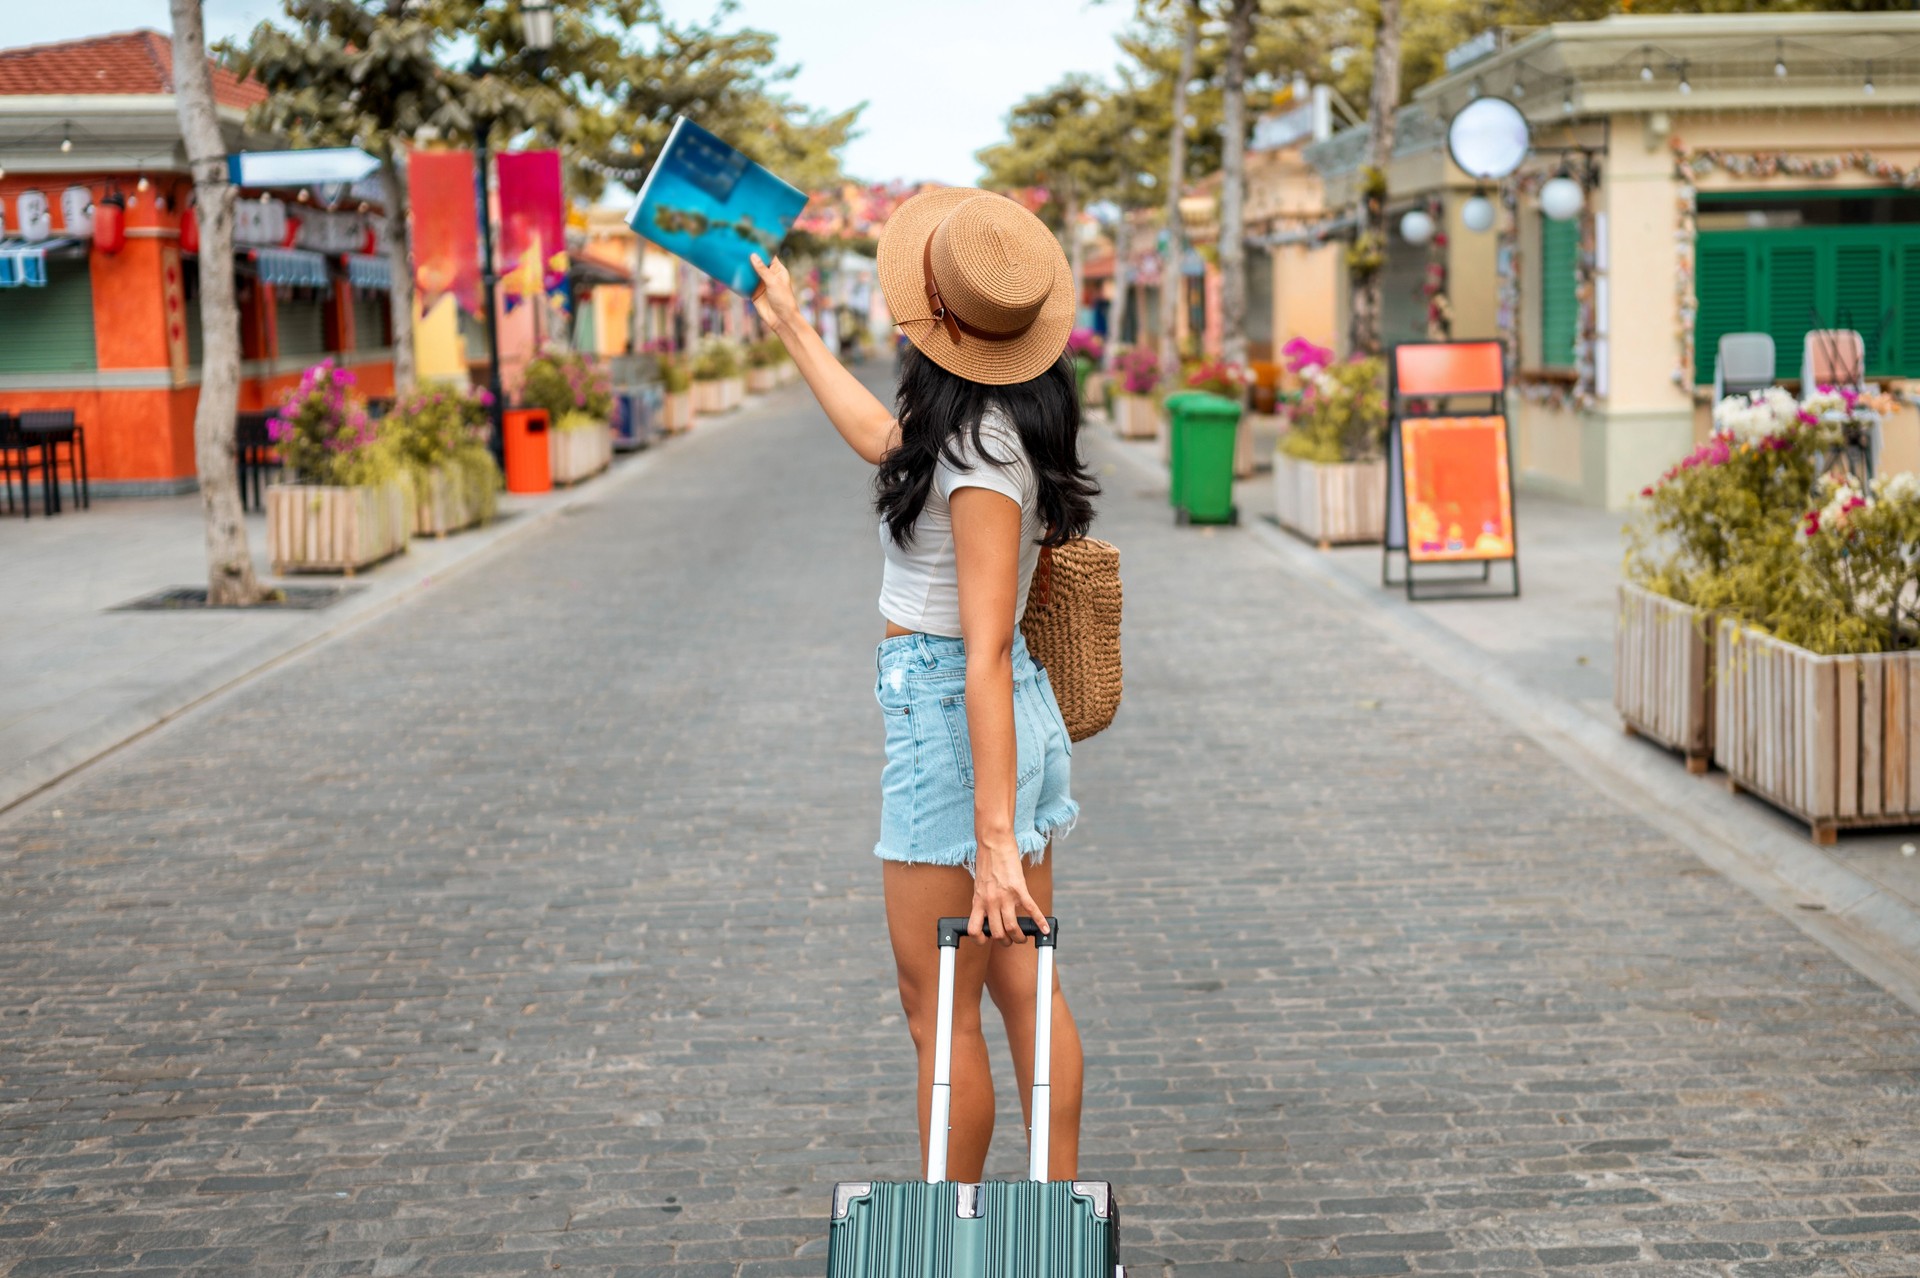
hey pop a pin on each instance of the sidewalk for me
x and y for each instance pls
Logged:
(85, 679)
(1545, 662)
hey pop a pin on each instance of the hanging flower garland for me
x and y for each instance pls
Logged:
(1515, 194)
(1690, 166)
(1434, 289)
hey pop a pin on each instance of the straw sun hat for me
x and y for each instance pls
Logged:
(978, 283)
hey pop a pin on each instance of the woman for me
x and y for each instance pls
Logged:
(976, 470)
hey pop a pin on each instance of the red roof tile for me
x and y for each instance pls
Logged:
(126, 62)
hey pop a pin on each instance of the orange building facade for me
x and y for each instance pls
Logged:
(114, 336)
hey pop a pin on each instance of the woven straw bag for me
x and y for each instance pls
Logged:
(1072, 628)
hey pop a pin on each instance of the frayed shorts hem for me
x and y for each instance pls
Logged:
(1032, 843)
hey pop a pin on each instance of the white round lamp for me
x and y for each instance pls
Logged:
(1561, 198)
(1416, 227)
(1477, 213)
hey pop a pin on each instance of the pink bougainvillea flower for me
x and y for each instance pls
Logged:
(1811, 524)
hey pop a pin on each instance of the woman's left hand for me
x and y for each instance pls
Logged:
(1000, 896)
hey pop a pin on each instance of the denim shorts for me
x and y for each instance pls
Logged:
(926, 788)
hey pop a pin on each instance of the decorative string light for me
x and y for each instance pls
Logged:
(1867, 87)
(1686, 85)
(66, 138)
(142, 184)
(1780, 59)
(1566, 99)
(1646, 62)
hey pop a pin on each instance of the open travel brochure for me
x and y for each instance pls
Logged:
(707, 203)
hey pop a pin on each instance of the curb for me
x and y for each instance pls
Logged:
(44, 772)
(1874, 931)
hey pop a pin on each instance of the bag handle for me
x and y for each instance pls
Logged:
(950, 932)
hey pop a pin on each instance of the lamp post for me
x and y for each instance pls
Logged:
(536, 38)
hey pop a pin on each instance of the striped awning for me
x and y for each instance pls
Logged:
(289, 266)
(367, 271)
(23, 263)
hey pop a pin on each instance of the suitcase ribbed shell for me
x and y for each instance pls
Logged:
(1024, 1230)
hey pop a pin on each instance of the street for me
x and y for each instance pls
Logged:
(534, 927)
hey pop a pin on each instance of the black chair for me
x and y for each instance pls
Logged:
(253, 458)
(55, 429)
(18, 451)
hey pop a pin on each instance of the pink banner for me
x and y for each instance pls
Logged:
(446, 234)
(533, 223)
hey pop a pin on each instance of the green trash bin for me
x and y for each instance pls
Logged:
(1204, 428)
(1174, 405)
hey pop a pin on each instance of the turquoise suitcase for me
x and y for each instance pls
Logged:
(938, 1228)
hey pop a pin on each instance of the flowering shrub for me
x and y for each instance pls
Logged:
(324, 434)
(1139, 371)
(675, 379)
(1342, 413)
(1857, 588)
(446, 428)
(717, 360)
(1084, 343)
(1304, 359)
(1218, 377)
(565, 383)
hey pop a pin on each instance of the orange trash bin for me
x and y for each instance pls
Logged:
(529, 462)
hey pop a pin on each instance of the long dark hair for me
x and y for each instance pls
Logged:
(934, 406)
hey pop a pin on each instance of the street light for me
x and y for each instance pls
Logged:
(536, 38)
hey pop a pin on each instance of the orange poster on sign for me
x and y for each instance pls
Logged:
(1459, 492)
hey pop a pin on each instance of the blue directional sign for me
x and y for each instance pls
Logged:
(300, 168)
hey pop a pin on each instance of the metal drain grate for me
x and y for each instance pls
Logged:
(190, 598)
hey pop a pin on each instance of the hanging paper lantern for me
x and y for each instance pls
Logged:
(291, 234)
(1477, 213)
(1561, 199)
(1416, 227)
(190, 229)
(110, 222)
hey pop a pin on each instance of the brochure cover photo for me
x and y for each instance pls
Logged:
(707, 203)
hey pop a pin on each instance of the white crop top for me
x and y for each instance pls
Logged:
(920, 586)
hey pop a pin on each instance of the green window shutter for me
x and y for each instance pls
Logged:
(1858, 301)
(302, 322)
(1903, 345)
(369, 321)
(50, 329)
(1792, 301)
(1559, 303)
(1721, 286)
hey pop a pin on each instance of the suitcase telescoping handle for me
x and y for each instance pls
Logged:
(951, 930)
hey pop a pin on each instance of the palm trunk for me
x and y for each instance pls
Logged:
(1172, 283)
(230, 579)
(1076, 249)
(400, 255)
(1117, 317)
(1233, 181)
(1371, 212)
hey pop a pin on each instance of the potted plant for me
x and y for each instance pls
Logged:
(1086, 347)
(761, 358)
(1137, 411)
(440, 437)
(345, 501)
(1330, 471)
(676, 399)
(1710, 536)
(578, 398)
(716, 369)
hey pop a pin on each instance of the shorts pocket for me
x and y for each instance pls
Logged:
(1029, 740)
(1044, 690)
(890, 690)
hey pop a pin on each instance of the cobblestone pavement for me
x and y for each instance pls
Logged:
(533, 928)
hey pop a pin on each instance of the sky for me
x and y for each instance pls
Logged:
(938, 75)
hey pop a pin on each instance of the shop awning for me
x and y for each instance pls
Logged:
(289, 266)
(366, 271)
(23, 264)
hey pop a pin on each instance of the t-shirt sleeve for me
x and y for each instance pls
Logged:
(1010, 476)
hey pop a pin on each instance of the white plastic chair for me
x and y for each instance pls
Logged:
(1743, 363)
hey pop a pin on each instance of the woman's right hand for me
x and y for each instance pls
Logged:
(1000, 896)
(774, 300)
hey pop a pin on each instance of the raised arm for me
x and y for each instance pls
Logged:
(863, 421)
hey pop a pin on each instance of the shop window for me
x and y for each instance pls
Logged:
(1559, 291)
(371, 313)
(1403, 299)
(301, 321)
(50, 329)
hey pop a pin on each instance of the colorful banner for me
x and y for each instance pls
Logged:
(1459, 488)
(446, 232)
(533, 225)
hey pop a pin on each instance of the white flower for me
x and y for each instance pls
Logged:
(1901, 486)
(1750, 419)
(1845, 497)
(1823, 401)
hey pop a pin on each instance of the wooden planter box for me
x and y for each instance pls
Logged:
(578, 453)
(1329, 504)
(1136, 416)
(734, 392)
(709, 396)
(322, 528)
(785, 371)
(761, 380)
(1832, 740)
(444, 505)
(1662, 669)
(676, 411)
(1096, 390)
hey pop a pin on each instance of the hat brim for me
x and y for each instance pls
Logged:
(901, 268)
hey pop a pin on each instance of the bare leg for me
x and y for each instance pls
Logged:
(1012, 973)
(917, 897)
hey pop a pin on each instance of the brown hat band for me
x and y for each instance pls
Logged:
(943, 314)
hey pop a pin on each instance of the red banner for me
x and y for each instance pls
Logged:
(533, 223)
(446, 234)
